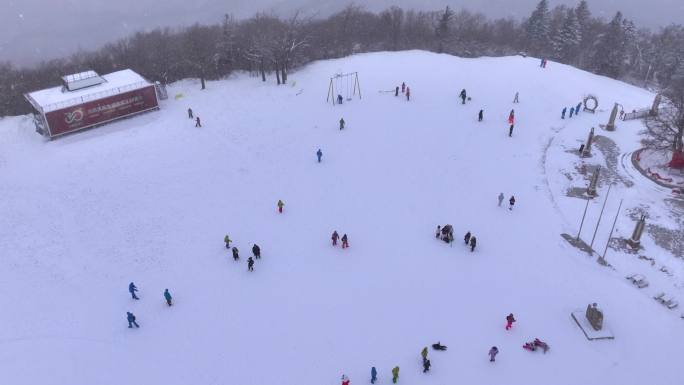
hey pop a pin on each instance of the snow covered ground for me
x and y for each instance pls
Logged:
(149, 200)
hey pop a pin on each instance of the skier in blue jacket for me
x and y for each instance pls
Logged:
(319, 154)
(131, 320)
(374, 375)
(565, 109)
(132, 289)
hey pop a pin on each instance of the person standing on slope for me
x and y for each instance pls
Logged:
(501, 198)
(256, 250)
(345, 379)
(227, 241)
(403, 87)
(577, 108)
(395, 374)
(197, 122)
(280, 206)
(509, 321)
(396, 91)
(374, 372)
(467, 238)
(424, 353)
(345, 241)
(510, 131)
(236, 255)
(515, 99)
(335, 237)
(132, 289)
(511, 117)
(572, 110)
(426, 366)
(473, 243)
(463, 96)
(408, 94)
(480, 116)
(511, 202)
(250, 264)
(131, 320)
(565, 109)
(341, 123)
(167, 297)
(492, 353)
(190, 113)
(319, 154)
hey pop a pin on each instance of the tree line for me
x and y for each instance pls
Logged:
(270, 46)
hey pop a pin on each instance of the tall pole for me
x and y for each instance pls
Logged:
(599, 220)
(582, 223)
(611, 230)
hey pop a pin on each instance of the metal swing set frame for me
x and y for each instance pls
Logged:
(351, 86)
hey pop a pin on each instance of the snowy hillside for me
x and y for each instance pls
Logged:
(150, 199)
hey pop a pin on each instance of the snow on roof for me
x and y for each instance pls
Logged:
(55, 98)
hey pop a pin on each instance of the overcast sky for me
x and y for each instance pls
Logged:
(35, 30)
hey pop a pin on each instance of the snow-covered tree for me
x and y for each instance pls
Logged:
(537, 28)
(443, 29)
(609, 53)
(567, 41)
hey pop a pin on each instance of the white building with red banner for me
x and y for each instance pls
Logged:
(87, 99)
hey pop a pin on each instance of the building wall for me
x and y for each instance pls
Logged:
(100, 111)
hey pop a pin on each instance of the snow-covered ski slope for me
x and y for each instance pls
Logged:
(150, 199)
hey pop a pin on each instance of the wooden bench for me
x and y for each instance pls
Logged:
(638, 280)
(667, 300)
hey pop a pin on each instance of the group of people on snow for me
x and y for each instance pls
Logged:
(335, 237)
(197, 119)
(511, 201)
(256, 251)
(132, 289)
(573, 110)
(470, 240)
(445, 233)
(404, 90)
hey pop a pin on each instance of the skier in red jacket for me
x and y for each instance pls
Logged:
(509, 321)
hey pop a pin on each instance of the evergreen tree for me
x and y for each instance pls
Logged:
(443, 28)
(566, 43)
(583, 15)
(537, 28)
(584, 19)
(609, 55)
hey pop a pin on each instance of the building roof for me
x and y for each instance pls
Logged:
(82, 80)
(56, 98)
